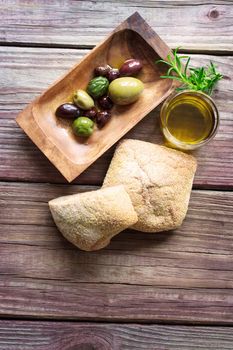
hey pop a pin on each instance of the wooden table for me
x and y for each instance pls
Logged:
(165, 291)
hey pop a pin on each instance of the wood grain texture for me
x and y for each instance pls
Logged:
(177, 277)
(184, 275)
(18, 335)
(198, 25)
(26, 72)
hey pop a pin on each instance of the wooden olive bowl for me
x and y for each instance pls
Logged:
(134, 38)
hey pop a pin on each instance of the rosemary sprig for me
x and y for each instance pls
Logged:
(198, 79)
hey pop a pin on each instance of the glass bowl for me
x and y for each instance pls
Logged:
(188, 97)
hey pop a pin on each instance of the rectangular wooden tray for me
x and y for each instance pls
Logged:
(133, 38)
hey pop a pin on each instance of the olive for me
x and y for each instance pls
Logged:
(68, 110)
(113, 74)
(97, 87)
(102, 70)
(105, 102)
(102, 118)
(130, 67)
(83, 126)
(124, 91)
(83, 100)
(91, 113)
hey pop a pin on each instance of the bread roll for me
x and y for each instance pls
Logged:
(158, 180)
(89, 220)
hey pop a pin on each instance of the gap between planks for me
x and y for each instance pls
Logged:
(105, 321)
(196, 187)
(38, 319)
(90, 47)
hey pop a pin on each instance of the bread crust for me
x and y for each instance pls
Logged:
(89, 220)
(158, 180)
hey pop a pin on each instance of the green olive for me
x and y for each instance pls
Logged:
(83, 126)
(124, 91)
(83, 100)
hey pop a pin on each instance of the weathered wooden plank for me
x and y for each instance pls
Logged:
(18, 335)
(26, 72)
(184, 275)
(198, 25)
(67, 300)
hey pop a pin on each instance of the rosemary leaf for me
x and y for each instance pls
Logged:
(198, 79)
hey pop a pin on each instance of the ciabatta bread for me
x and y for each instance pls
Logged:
(89, 220)
(158, 180)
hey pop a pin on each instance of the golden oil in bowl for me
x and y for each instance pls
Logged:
(189, 119)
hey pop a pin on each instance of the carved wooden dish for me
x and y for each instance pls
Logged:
(134, 38)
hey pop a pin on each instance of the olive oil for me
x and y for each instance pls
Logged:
(188, 119)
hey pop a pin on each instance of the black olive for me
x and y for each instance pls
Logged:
(105, 102)
(91, 113)
(102, 118)
(113, 74)
(102, 70)
(68, 110)
(130, 68)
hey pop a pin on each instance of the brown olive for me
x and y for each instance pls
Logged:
(113, 74)
(91, 113)
(68, 110)
(105, 102)
(102, 70)
(130, 67)
(102, 118)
